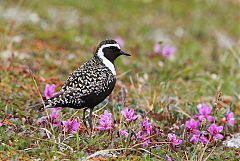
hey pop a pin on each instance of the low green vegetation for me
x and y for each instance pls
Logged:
(43, 42)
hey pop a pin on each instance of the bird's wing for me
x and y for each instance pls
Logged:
(69, 98)
(90, 77)
(80, 78)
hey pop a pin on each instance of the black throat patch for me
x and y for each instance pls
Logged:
(111, 53)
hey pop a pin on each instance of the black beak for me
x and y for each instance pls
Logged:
(123, 53)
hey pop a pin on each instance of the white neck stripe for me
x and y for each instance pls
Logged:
(106, 62)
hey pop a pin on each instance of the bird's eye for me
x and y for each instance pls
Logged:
(114, 48)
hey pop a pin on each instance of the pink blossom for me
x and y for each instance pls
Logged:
(169, 158)
(157, 48)
(197, 137)
(168, 51)
(53, 117)
(120, 41)
(49, 90)
(203, 138)
(105, 121)
(192, 126)
(1, 124)
(71, 126)
(146, 126)
(230, 118)
(194, 139)
(124, 133)
(215, 130)
(204, 112)
(57, 108)
(173, 139)
(143, 139)
(145, 132)
(54, 114)
(129, 114)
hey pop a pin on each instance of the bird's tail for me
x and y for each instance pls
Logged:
(37, 106)
(55, 101)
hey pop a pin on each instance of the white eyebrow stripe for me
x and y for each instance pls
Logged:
(106, 62)
(109, 45)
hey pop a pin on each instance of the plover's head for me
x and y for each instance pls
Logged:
(110, 50)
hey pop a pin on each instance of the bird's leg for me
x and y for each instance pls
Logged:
(83, 118)
(90, 119)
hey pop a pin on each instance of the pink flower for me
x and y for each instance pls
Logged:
(54, 114)
(196, 137)
(173, 139)
(204, 112)
(145, 132)
(157, 48)
(168, 51)
(192, 126)
(105, 121)
(1, 124)
(129, 114)
(143, 139)
(71, 126)
(169, 158)
(57, 108)
(215, 130)
(124, 133)
(146, 126)
(230, 118)
(53, 117)
(120, 41)
(203, 138)
(49, 90)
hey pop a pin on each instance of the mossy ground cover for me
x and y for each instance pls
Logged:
(43, 42)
